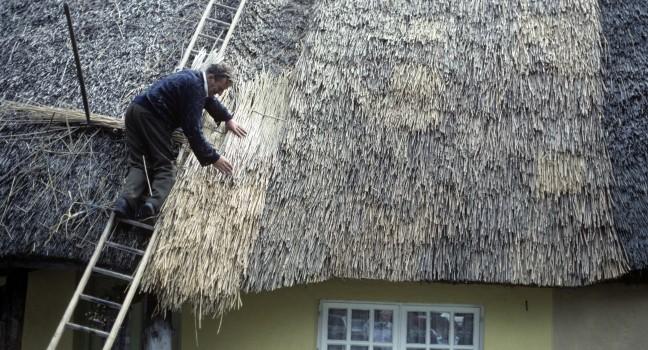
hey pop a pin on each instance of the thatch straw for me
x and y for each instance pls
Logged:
(58, 179)
(210, 221)
(626, 104)
(124, 46)
(60, 115)
(444, 141)
(454, 141)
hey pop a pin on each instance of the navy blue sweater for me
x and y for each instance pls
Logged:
(179, 100)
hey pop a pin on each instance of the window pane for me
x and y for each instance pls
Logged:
(360, 325)
(336, 347)
(358, 347)
(463, 329)
(383, 326)
(416, 327)
(382, 348)
(337, 320)
(439, 327)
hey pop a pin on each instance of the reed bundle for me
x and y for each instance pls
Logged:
(49, 115)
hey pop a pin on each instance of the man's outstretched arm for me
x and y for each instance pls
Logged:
(221, 114)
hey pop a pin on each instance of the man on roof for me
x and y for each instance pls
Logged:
(175, 101)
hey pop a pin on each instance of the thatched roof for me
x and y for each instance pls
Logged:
(626, 106)
(420, 141)
(453, 141)
(124, 46)
(57, 181)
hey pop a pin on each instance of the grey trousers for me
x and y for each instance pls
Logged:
(149, 145)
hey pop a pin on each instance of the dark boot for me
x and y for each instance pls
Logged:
(121, 208)
(147, 211)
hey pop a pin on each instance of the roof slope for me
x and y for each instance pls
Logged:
(625, 26)
(56, 183)
(124, 45)
(455, 141)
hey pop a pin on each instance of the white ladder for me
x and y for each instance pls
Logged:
(225, 30)
(219, 20)
(93, 268)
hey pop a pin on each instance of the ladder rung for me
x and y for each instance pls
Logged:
(226, 7)
(78, 327)
(96, 300)
(124, 248)
(210, 37)
(211, 19)
(112, 274)
(137, 223)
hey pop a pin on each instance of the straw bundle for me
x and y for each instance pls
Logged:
(209, 222)
(44, 114)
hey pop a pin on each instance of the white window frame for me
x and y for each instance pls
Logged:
(400, 323)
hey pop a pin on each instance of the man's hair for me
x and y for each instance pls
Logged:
(220, 70)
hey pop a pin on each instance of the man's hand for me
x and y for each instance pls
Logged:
(224, 166)
(232, 126)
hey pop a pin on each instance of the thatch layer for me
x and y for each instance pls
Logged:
(445, 140)
(124, 46)
(58, 180)
(268, 36)
(625, 26)
(210, 221)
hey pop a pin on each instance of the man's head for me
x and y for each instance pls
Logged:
(219, 78)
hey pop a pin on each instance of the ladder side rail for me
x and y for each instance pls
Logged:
(82, 284)
(132, 289)
(215, 57)
(230, 31)
(194, 38)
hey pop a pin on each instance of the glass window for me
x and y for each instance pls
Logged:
(337, 324)
(360, 326)
(439, 327)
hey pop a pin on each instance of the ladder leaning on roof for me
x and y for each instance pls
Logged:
(225, 29)
(219, 20)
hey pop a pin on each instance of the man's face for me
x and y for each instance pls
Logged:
(217, 86)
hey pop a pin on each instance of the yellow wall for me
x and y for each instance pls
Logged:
(287, 319)
(48, 293)
(602, 317)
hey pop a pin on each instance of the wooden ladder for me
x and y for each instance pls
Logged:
(213, 20)
(92, 267)
(219, 20)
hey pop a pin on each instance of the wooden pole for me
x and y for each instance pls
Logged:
(77, 60)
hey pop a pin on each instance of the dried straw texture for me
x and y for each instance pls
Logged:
(625, 26)
(446, 140)
(209, 222)
(57, 178)
(443, 140)
(124, 46)
(34, 114)
(268, 37)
